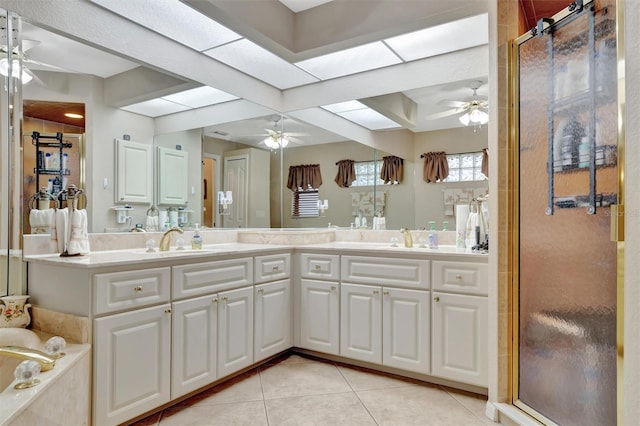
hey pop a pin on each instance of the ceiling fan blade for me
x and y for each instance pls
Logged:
(443, 114)
(47, 67)
(452, 104)
(29, 44)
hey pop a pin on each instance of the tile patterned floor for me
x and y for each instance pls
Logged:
(299, 391)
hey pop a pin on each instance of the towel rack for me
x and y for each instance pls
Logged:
(73, 194)
(41, 195)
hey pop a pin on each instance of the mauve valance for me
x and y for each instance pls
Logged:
(346, 173)
(485, 162)
(304, 176)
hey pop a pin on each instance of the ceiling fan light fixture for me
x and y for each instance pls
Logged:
(20, 74)
(274, 142)
(474, 116)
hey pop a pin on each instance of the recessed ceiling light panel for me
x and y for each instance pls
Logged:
(350, 61)
(445, 38)
(258, 62)
(155, 107)
(200, 97)
(370, 119)
(344, 106)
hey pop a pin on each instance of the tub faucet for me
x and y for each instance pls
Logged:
(408, 241)
(46, 362)
(165, 242)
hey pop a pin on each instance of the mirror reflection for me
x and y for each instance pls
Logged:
(235, 166)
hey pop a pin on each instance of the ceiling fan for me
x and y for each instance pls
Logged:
(473, 111)
(277, 137)
(24, 74)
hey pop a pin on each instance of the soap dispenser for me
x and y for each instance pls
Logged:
(196, 241)
(432, 236)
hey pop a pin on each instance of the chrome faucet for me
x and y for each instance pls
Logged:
(165, 242)
(408, 241)
(46, 361)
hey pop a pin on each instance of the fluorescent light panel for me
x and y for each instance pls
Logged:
(175, 20)
(300, 5)
(370, 119)
(445, 38)
(258, 62)
(155, 107)
(350, 61)
(344, 106)
(200, 97)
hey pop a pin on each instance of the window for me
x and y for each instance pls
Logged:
(304, 203)
(465, 167)
(367, 173)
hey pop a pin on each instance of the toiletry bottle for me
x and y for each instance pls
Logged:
(433, 235)
(445, 226)
(196, 241)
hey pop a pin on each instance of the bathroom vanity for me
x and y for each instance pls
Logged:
(168, 324)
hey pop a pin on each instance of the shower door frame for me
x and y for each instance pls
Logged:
(617, 210)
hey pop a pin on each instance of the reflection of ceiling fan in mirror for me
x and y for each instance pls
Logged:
(277, 137)
(25, 75)
(473, 110)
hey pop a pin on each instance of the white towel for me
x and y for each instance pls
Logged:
(152, 224)
(79, 237)
(60, 225)
(41, 221)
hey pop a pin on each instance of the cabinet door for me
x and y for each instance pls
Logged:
(194, 344)
(320, 316)
(173, 176)
(133, 364)
(272, 319)
(459, 338)
(361, 327)
(405, 329)
(134, 177)
(235, 330)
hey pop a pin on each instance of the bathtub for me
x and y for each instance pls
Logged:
(62, 397)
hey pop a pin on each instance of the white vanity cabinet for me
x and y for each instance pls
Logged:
(320, 302)
(133, 363)
(235, 330)
(272, 319)
(385, 325)
(459, 322)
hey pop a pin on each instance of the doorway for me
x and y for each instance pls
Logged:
(210, 187)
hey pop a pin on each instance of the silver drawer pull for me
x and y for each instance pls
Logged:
(137, 288)
(317, 267)
(276, 268)
(436, 299)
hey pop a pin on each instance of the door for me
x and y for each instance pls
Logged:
(567, 207)
(320, 316)
(236, 175)
(272, 319)
(194, 333)
(235, 330)
(132, 365)
(361, 322)
(405, 329)
(459, 338)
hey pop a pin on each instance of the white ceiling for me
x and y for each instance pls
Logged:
(313, 82)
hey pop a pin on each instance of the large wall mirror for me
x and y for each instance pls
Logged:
(156, 101)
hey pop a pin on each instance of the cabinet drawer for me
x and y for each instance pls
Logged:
(272, 267)
(408, 273)
(116, 291)
(320, 266)
(210, 277)
(461, 277)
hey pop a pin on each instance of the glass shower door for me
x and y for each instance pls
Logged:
(568, 180)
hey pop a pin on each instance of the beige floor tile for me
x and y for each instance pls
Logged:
(302, 378)
(416, 405)
(292, 358)
(321, 410)
(233, 414)
(243, 388)
(362, 379)
(473, 402)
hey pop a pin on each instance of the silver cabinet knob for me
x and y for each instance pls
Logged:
(225, 298)
(459, 277)
(385, 293)
(261, 290)
(167, 311)
(375, 292)
(215, 300)
(333, 288)
(317, 267)
(275, 268)
(137, 288)
(436, 299)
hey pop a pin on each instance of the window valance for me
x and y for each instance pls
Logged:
(392, 169)
(304, 176)
(436, 167)
(346, 173)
